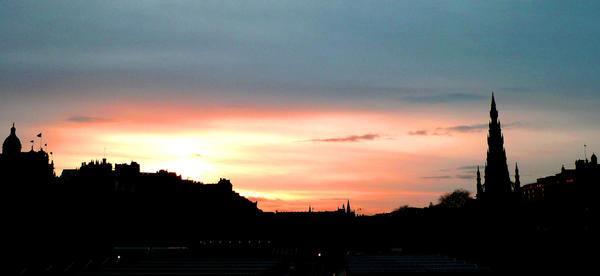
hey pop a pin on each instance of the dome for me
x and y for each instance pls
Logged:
(12, 144)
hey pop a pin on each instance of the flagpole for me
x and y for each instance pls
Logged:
(41, 140)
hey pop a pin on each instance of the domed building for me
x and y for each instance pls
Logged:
(30, 168)
(12, 144)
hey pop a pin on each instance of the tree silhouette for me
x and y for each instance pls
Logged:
(456, 199)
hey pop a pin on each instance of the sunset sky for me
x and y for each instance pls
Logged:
(384, 103)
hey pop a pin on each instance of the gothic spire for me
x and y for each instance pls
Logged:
(497, 180)
(493, 110)
(348, 207)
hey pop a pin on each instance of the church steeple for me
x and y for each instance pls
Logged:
(348, 207)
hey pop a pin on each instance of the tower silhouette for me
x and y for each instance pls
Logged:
(497, 182)
(479, 186)
(517, 186)
(348, 207)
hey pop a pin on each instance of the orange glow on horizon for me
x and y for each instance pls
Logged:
(274, 157)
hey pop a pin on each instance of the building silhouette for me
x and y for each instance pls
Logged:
(573, 186)
(126, 180)
(497, 183)
(344, 211)
(24, 169)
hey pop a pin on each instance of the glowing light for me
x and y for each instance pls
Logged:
(272, 158)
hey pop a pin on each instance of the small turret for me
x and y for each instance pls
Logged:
(517, 187)
(348, 210)
(594, 159)
(479, 187)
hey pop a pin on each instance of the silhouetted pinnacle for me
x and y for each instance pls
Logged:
(497, 180)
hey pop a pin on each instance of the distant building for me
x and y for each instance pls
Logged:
(344, 211)
(31, 168)
(98, 177)
(497, 184)
(579, 184)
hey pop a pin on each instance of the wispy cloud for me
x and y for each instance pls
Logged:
(468, 168)
(460, 128)
(448, 131)
(465, 176)
(351, 138)
(418, 133)
(458, 176)
(86, 119)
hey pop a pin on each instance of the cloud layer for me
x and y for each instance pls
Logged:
(86, 119)
(350, 138)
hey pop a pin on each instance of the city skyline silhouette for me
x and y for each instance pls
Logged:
(298, 137)
(203, 222)
(391, 99)
(469, 172)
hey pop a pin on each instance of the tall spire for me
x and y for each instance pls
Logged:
(348, 207)
(493, 110)
(497, 181)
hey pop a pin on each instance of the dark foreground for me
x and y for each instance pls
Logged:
(53, 233)
(280, 261)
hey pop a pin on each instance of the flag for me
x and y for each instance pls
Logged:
(39, 135)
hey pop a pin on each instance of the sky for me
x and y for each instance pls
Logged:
(383, 103)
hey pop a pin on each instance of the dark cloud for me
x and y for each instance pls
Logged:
(465, 176)
(468, 128)
(87, 119)
(311, 52)
(448, 131)
(418, 132)
(351, 138)
(461, 129)
(459, 176)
